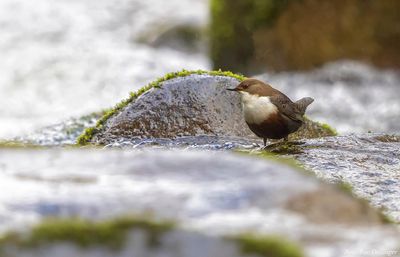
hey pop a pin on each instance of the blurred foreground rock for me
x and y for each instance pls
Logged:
(228, 194)
(142, 242)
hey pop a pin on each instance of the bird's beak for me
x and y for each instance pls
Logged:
(232, 89)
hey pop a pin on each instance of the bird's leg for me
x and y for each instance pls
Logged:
(270, 146)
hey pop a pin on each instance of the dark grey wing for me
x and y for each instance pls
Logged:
(286, 107)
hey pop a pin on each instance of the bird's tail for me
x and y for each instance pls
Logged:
(303, 103)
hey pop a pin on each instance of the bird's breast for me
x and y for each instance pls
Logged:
(257, 109)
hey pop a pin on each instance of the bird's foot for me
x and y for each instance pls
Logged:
(283, 143)
(271, 146)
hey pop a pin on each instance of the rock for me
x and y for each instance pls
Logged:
(208, 197)
(370, 163)
(191, 105)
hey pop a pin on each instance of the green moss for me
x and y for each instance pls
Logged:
(87, 135)
(284, 148)
(388, 138)
(267, 246)
(345, 187)
(85, 233)
(328, 128)
(313, 129)
(386, 219)
(17, 144)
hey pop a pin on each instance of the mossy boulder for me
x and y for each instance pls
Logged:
(183, 104)
(253, 35)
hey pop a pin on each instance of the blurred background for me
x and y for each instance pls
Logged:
(67, 58)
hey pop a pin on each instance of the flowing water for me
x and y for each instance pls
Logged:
(62, 59)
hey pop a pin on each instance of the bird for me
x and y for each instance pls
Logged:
(269, 113)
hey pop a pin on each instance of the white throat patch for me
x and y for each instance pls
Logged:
(256, 108)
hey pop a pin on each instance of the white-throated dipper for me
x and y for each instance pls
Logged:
(269, 113)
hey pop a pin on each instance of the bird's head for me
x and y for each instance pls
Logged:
(250, 86)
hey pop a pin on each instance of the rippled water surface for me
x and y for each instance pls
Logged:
(62, 59)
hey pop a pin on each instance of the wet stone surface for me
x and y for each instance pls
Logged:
(370, 166)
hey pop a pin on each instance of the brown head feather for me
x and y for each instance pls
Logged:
(257, 87)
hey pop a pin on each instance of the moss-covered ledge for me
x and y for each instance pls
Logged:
(113, 234)
(84, 233)
(87, 135)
